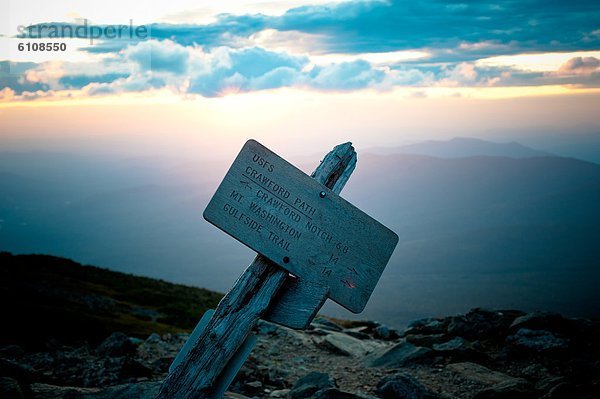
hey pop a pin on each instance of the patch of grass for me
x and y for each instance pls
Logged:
(43, 297)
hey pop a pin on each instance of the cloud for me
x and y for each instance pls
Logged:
(79, 81)
(12, 76)
(163, 56)
(460, 31)
(452, 31)
(7, 94)
(345, 76)
(225, 70)
(584, 66)
(344, 46)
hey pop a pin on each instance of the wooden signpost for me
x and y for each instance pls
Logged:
(299, 225)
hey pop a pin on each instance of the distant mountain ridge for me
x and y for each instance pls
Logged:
(492, 231)
(463, 147)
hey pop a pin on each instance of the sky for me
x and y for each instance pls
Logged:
(198, 78)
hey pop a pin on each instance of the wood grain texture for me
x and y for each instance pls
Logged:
(238, 312)
(299, 301)
(308, 229)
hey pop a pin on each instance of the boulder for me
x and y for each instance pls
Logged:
(398, 355)
(511, 389)
(402, 385)
(358, 332)
(11, 351)
(253, 387)
(15, 373)
(426, 339)
(343, 344)
(427, 326)
(46, 391)
(326, 324)
(153, 338)
(537, 340)
(560, 391)
(234, 395)
(279, 393)
(480, 374)
(117, 344)
(459, 349)
(547, 383)
(133, 368)
(311, 383)
(477, 323)
(141, 390)
(385, 333)
(334, 393)
(548, 321)
(368, 324)
(266, 328)
(10, 389)
(455, 344)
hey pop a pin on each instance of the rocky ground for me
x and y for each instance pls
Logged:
(482, 355)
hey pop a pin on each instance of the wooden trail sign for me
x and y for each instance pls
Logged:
(283, 214)
(333, 248)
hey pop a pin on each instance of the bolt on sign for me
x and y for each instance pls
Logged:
(280, 212)
(312, 245)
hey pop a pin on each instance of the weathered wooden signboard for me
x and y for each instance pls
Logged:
(297, 224)
(283, 214)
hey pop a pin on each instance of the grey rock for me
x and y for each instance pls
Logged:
(399, 355)
(253, 387)
(384, 332)
(477, 323)
(117, 344)
(547, 383)
(45, 391)
(537, 340)
(480, 374)
(10, 389)
(357, 333)
(266, 328)
(426, 326)
(334, 393)
(549, 321)
(153, 338)
(514, 389)
(234, 395)
(136, 341)
(365, 326)
(16, 373)
(403, 386)
(455, 344)
(133, 368)
(325, 324)
(11, 351)
(535, 371)
(426, 339)
(561, 391)
(279, 393)
(158, 350)
(141, 390)
(311, 383)
(343, 344)
(459, 349)
(319, 331)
